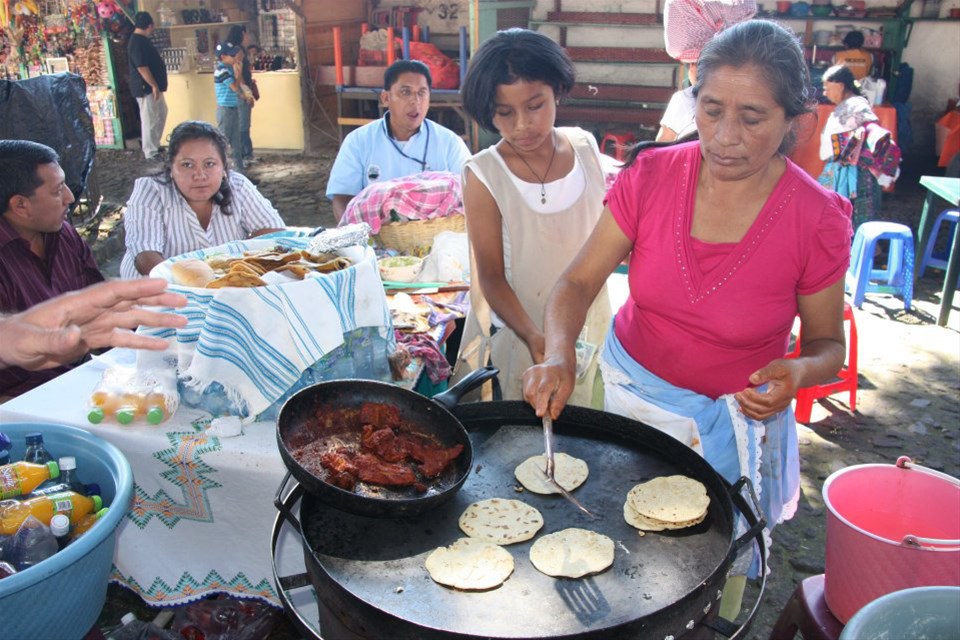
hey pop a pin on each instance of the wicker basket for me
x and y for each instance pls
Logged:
(415, 237)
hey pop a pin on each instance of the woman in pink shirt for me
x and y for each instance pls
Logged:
(728, 240)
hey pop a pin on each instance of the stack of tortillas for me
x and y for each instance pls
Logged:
(569, 472)
(670, 502)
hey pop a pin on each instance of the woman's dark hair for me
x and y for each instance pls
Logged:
(198, 130)
(772, 49)
(509, 56)
(235, 35)
(853, 39)
(841, 74)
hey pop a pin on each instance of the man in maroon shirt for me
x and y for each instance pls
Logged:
(41, 254)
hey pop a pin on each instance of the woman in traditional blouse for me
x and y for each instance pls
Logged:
(197, 202)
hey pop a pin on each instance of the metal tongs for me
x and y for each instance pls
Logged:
(548, 447)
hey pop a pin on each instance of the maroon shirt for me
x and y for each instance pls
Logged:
(26, 280)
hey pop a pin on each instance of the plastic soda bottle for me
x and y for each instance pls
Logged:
(70, 503)
(20, 478)
(32, 544)
(68, 474)
(86, 522)
(60, 527)
(156, 406)
(36, 452)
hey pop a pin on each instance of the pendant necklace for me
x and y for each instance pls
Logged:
(543, 180)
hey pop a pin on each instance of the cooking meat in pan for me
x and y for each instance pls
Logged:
(372, 444)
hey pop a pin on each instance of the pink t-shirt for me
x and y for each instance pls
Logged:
(705, 316)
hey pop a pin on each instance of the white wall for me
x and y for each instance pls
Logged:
(934, 54)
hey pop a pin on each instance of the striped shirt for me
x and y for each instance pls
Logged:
(26, 280)
(159, 219)
(223, 77)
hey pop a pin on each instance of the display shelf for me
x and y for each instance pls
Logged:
(203, 25)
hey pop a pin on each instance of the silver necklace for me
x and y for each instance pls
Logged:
(543, 180)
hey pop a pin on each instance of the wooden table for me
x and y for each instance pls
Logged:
(949, 190)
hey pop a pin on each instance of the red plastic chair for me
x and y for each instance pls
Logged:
(806, 612)
(618, 142)
(847, 376)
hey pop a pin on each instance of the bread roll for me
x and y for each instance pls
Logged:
(192, 273)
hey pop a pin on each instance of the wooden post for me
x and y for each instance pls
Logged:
(338, 56)
(416, 33)
(463, 54)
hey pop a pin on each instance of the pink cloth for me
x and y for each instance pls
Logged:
(427, 195)
(705, 316)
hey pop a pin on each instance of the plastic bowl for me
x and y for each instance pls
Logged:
(400, 268)
(920, 612)
(62, 596)
(821, 10)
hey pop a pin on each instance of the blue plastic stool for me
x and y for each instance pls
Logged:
(939, 260)
(897, 278)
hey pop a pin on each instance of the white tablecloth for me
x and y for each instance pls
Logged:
(203, 506)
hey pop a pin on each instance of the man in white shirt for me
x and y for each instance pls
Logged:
(401, 143)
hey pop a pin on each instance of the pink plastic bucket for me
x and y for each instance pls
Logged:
(889, 527)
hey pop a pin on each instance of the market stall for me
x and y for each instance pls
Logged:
(55, 36)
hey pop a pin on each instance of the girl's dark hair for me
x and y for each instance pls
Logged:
(509, 56)
(842, 75)
(198, 130)
(853, 39)
(235, 35)
(772, 49)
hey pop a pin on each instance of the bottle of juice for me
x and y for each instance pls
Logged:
(83, 524)
(68, 474)
(156, 406)
(103, 403)
(69, 503)
(20, 478)
(132, 405)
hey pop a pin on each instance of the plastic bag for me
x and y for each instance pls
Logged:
(689, 24)
(444, 72)
(126, 394)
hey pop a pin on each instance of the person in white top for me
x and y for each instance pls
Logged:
(678, 120)
(530, 203)
(196, 203)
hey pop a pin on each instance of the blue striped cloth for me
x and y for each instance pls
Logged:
(257, 342)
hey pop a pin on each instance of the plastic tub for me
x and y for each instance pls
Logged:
(889, 527)
(921, 612)
(62, 596)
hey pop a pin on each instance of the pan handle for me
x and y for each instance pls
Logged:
(472, 380)
(755, 519)
(280, 501)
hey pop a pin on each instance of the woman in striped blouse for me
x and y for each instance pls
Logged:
(196, 203)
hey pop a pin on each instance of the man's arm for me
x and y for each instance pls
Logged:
(64, 328)
(147, 76)
(340, 203)
(346, 174)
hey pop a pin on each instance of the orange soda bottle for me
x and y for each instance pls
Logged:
(156, 406)
(103, 403)
(20, 478)
(43, 508)
(83, 524)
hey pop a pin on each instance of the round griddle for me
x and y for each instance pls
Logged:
(369, 571)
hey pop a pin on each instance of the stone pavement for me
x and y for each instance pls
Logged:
(909, 399)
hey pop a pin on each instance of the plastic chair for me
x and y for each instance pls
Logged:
(620, 142)
(806, 612)
(897, 278)
(939, 260)
(847, 376)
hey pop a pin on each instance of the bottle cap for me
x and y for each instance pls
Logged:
(97, 502)
(102, 512)
(155, 415)
(128, 618)
(54, 469)
(96, 415)
(34, 438)
(59, 525)
(125, 416)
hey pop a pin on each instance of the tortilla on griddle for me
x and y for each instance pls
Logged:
(569, 472)
(572, 553)
(470, 564)
(501, 521)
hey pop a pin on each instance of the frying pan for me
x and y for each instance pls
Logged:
(296, 426)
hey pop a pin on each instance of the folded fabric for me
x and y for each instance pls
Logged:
(257, 342)
(424, 196)
(421, 345)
